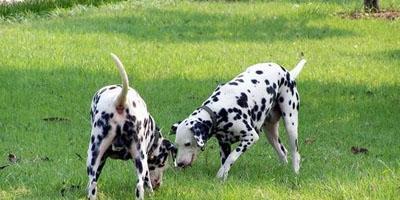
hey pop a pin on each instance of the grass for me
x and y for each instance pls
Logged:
(175, 53)
(43, 7)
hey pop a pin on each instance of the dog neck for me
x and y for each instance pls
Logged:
(211, 115)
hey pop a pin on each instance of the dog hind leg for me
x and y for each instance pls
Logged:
(95, 161)
(289, 105)
(271, 129)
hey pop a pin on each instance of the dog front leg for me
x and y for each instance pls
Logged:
(225, 150)
(245, 143)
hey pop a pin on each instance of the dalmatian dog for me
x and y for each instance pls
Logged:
(122, 128)
(238, 111)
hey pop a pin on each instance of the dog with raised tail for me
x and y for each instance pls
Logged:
(238, 111)
(122, 128)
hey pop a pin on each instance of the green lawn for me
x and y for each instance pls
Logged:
(175, 53)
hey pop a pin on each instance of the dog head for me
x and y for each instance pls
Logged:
(158, 159)
(191, 136)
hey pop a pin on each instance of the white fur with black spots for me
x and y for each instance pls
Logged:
(122, 128)
(253, 101)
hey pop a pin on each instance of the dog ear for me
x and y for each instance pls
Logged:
(171, 149)
(200, 132)
(174, 127)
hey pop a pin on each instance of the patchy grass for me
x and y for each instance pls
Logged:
(383, 14)
(175, 53)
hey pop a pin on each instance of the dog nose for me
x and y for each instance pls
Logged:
(181, 164)
(156, 183)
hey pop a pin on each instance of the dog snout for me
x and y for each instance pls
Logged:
(156, 183)
(181, 164)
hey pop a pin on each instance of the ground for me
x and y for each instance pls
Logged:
(176, 52)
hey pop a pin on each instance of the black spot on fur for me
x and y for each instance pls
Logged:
(281, 81)
(103, 90)
(249, 128)
(223, 115)
(290, 83)
(271, 90)
(259, 114)
(282, 148)
(233, 83)
(96, 99)
(254, 81)
(227, 126)
(237, 117)
(138, 164)
(282, 68)
(259, 72)
(242, 101)
(94, 156)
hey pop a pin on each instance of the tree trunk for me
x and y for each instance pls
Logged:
(371, 6)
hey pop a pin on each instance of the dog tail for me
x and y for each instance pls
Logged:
(296, 71)
(121, 99)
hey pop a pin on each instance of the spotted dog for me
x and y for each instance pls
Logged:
(123, 129)
(238, 111)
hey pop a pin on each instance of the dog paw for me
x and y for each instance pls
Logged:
(284, 160)
(296, 169)
(222, 174)
(296, 163)
(92, 191)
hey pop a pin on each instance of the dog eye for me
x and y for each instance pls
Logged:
(187, 144)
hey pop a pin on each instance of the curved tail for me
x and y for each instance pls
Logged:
(296, 71)
(121, 99)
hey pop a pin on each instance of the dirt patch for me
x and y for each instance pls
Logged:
(357, 150)
(384, 14)
(56, 119)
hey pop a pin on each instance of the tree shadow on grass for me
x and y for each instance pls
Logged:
(41, 7)
(393, 54)
(183, 26)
